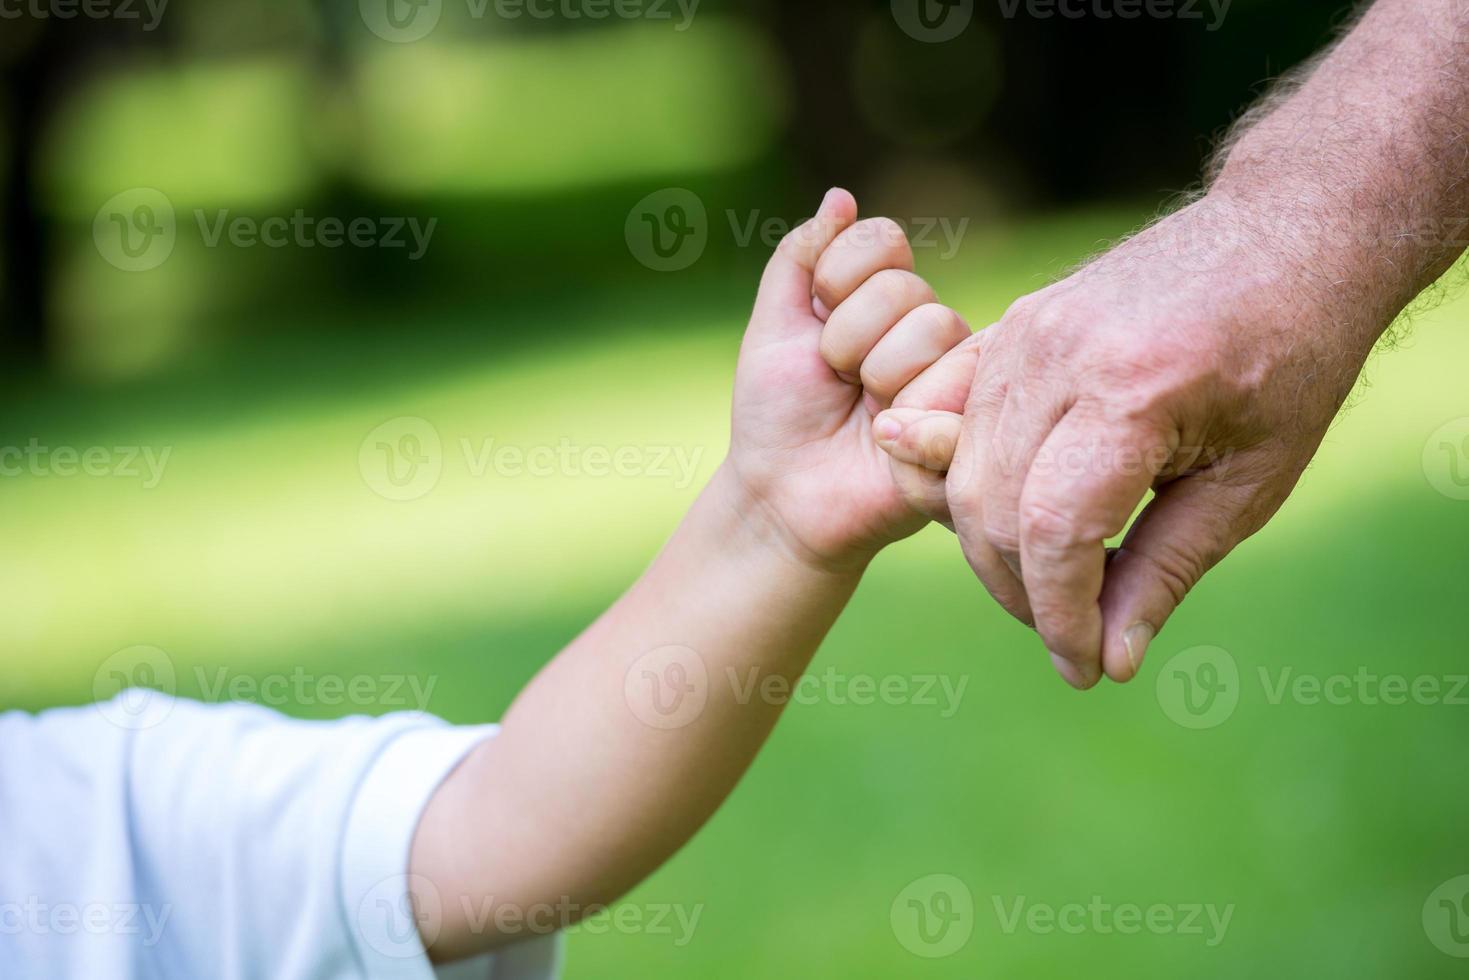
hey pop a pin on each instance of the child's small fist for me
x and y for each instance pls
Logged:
(841, 326)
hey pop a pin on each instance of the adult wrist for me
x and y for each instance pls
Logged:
(1364, 254)
(1324, 263)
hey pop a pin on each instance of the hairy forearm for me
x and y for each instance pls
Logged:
(1358, 166)
(626, 743)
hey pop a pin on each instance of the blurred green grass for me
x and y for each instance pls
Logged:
(262, 549)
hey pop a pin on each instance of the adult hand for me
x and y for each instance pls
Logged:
(1200, 359)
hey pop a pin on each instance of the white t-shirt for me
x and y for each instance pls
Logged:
(149, 837)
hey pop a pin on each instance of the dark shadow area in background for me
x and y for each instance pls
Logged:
(1047, 111)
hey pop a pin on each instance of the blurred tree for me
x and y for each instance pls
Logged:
(42, 59)
(31, 75)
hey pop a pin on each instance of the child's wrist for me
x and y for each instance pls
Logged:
(757, 524)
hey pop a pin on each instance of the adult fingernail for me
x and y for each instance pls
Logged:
(1082, 677)
(886, 428)
(1136, 639)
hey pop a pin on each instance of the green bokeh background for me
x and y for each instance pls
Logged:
(263, 549)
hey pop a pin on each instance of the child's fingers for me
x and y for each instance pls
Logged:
(786, 287)
(855, 327)
(915, 342)
(858, 253)
(917, 437)
(944, 386)
(923, 490)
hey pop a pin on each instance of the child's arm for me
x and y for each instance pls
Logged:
(626, 743)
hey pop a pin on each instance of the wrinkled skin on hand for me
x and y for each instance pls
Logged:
(1201, 359)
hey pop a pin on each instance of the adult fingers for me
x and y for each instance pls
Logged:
(966, 491)
(959, 382)
(1186, 529)
(1026, 418)
(1095, 475)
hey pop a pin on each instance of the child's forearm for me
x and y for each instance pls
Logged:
(626, 743)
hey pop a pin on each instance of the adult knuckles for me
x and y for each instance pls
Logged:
(1002, 533)
(1048, 529)
(1176, 569)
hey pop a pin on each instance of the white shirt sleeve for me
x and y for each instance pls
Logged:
(237, 843)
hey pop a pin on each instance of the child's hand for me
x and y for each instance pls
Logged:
(809, 383)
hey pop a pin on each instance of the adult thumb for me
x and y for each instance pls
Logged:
(1187, 528)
